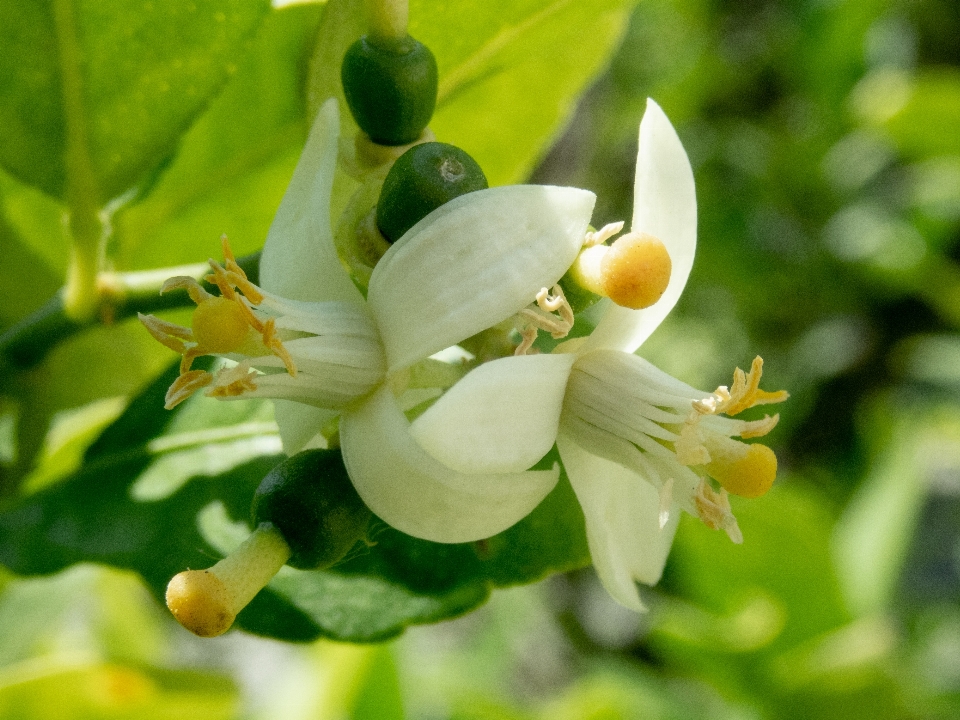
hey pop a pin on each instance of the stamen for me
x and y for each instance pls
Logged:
(194, 289)
(233, 382)
(185, 386)
(746, 392)
(715, 512)
(167, 333)
(556, 303)
(600, 236)
(271, 340)
(528, 336)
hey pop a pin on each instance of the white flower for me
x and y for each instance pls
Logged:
(634, 441)
(308, 338)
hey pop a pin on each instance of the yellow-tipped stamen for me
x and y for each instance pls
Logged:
(206, 602)
(715, 512)
(633, 272)
(166, 333)
(185, 386)
(220, 325)
(745, 392)
(233, 382)
(184, 282)
(737, 466)
(271, 340)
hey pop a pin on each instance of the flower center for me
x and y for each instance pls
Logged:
(622, 408)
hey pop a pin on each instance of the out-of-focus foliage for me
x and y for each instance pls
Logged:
(824, 137)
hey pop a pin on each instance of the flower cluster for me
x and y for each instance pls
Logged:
(637, 444)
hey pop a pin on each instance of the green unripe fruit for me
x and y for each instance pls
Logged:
(311, 501)
(422, 179)
(391, 88)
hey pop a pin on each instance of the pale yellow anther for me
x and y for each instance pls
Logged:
(184, 282)
(759, 428)
(636, 271)
(714, 510)
(220, 325)
(166, 332)
(271, 340)
(233, 382)
(745, 392)
(185, 385)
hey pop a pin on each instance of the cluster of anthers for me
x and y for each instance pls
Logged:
(744, 469)
(221, 325)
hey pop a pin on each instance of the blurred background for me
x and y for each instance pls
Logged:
(825, 140)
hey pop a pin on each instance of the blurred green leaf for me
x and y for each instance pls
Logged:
(106, 690)
(510, 72)
(233, 165)
(113, 89)
(928, 122)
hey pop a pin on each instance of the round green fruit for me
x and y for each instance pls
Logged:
(391, 88)
(422, 179)
(311, 501)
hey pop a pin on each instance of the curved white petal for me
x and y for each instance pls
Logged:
(623, 527)
(664, 205)
(472, 263)
(500, 418)
(414, 493)
(300, 424)
(299, 260)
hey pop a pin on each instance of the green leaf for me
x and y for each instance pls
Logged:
(233, 165)
(120, 509)
(89, 88)
(511, 72)
(930, 105)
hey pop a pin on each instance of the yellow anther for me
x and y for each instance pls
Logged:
(220, 325)
(636, 271)
(742, 469)
(185, 385)
(185, 282)
(233, 382)
(746, 393)
(271, 340)
(714, 510)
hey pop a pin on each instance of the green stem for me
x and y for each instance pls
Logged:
(388, 19)
(86, 229)
(117, 296)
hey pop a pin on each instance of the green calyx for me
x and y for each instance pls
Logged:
(311, 501)
(391, 87)
(421, 180)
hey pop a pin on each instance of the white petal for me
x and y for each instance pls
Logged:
(623, 527)
(664, 205)
(299, 260)
(414, 493)
(299, 424)
(472, 263)
(502, 417)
